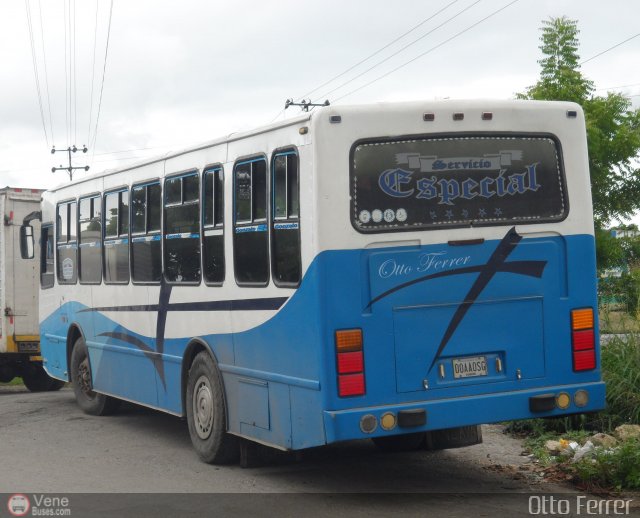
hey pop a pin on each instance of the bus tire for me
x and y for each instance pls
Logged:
(88, 400)
(55, 385)
(36, 379)
(396, 443)
(206, 413)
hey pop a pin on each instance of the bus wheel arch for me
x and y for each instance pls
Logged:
(205, 406)
(73, 334)
(80, 376)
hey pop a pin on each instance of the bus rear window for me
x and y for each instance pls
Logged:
(455, 181)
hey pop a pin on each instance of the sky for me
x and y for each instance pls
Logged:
(179, 73)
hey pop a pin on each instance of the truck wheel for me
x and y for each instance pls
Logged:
(206, 413)
(394, 443)
(88, 400)
(36, 379)
(7, 373)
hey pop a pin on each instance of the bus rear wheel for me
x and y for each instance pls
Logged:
(206, 413)
(88, 400)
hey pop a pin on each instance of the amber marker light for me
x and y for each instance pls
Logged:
(582, 319)
(563, 400)
(348, 340)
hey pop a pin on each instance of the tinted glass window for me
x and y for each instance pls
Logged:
(280, 187)
(138, 210)
(182, 232)
(285, 230)
(46, 256)
(250, 237)
(111, 214)
(63, 223)
(213, 234)
(146, 258)
(123, 214)
(456, 181)
(259, 190)
(154, 207)
(67, 267)
(116, 242)
(243, 192)
(90, 240)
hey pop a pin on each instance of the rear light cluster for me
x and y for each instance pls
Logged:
(583, 339)
(350, 362)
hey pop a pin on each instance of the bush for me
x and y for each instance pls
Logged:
(621, 372)
(618, 468)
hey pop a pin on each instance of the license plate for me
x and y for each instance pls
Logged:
(28, 347)
(470, 367)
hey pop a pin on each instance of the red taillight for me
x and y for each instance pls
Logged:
(584, 360)
(350, 362)
(583, 339)
(351, 384)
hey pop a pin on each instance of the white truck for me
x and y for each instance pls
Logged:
(19, 286)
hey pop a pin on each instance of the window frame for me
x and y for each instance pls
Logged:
(284, 151)
(255, 157)
(68, 242)
(126, 236)
(94, 195)
(211, 168)
(146, 233)
(192, 171)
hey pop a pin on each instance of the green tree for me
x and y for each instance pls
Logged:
(613, 128)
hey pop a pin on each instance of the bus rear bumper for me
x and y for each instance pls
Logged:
(342, 425)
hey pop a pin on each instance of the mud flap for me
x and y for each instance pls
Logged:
(453, 438)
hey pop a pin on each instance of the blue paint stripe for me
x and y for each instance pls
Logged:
(140, 239)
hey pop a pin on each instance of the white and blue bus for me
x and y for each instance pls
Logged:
(402, 272)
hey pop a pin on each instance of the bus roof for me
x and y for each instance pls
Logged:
(382, 107)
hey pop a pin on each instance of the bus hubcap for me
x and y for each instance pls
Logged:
(203, 407)
(84, 377)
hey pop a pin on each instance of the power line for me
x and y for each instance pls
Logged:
(402, 49)
(66, 83)
(380, 49)
(46, 73)
(35, 68)
(430, 50)
(93, 71)
(104, 69)
(609, 49)
(75, 70)
(614, 87)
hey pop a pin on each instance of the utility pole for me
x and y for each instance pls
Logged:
(69, 169)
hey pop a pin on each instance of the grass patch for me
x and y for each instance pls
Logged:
(13, 382)
(618, 322)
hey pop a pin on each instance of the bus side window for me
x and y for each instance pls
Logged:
(116, 233)
(213, 220)
(90, 225)
(146, 258)
(285, 230)
(250, 236)
(182, 229)
(66, 245)
(46, 256)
